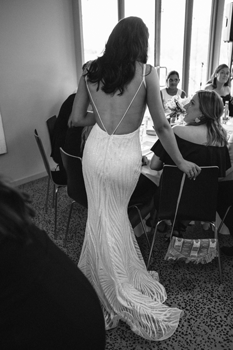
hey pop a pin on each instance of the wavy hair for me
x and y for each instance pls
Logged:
(115, 69)
(211, 107)
(213, 78)
(15, 213)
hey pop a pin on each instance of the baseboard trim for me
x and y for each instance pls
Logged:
(27, 179)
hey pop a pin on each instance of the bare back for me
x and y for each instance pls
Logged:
(112, 108)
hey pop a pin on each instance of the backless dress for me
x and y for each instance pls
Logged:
(110, 257)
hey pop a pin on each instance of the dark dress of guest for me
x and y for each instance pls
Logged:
(68, 138)
(199, 154)
(202, 140)
(46, 302)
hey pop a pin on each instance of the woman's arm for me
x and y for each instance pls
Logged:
(156, 163)
(209, 87)
(79, 115)
(163, 128)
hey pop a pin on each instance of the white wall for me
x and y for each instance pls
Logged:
(37, 73)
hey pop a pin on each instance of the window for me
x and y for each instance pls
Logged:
(99, 18)
(146, 11)
(226, 48)
(172, 35)
(199, 47)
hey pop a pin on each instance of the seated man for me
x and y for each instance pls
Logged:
(65, 137)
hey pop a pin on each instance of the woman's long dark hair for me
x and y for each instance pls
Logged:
(127, 44)
(211, 107)
(15, 213)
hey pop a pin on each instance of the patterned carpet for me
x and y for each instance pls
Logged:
(207, 323)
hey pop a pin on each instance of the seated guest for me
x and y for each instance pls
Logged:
(171, 90)
(61, 127)
(46, 302)
(201, 140)
(220, 82)
(65, 137)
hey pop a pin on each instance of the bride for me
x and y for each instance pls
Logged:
(119, 85)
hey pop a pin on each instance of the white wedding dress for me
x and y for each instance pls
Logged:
(110, 256)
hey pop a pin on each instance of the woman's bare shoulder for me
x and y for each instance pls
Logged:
(209, 87)
(195, 134)
(227, 90)
(181, 130)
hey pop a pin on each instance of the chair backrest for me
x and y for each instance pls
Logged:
(198, 200)
(50, 125)
(75, 182)
(42, 152)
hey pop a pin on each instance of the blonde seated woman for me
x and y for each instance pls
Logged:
(220, 82)
(201, 140)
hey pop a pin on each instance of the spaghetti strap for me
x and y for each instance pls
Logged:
(131, 100)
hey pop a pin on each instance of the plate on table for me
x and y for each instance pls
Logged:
(151, 132)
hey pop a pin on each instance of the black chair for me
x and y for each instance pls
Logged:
(54, 176)
(195, 201)
(50, 126)
(75, 183)
(138, 212)
(225, 195)
(77, 192)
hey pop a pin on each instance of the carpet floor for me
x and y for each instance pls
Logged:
(207, 323)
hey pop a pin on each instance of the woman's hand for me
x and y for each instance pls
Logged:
(192, 170)
(145, 160)
(71, 122)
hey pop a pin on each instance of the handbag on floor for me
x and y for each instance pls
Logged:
(190, 250)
